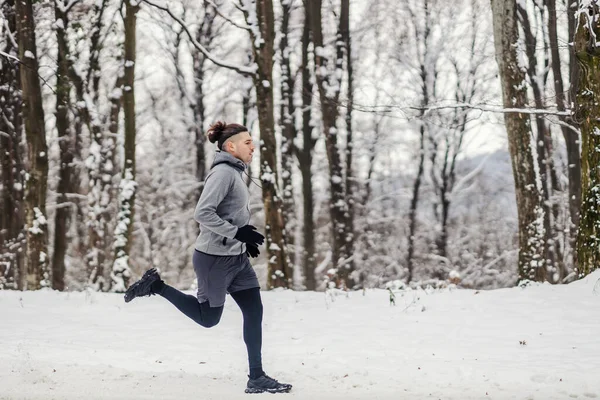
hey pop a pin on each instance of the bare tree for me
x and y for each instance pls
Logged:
(11, 154)
(350, 237)
(570, 136)
(94, 227)
(121, 273)
(305, 157)
(36, 224)
(263, 41)
(66, 144)
(205, 34)
(588, 116)
(538, 75)
(448, 144)
(328, 71)
(427, 72)
(514, 94)
(288, 130)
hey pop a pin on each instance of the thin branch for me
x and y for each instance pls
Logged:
(248, 71)
(232, 22)
(484, 107)
(388, 108)
(465, 179)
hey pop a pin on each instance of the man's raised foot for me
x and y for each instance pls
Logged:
(143, 287)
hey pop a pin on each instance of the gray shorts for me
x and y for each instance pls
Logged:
(219, 275)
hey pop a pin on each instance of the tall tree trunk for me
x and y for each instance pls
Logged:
(204, 35)
(63, 127)
(11, 158)
(514, 94)
(103, 212)
(305, 155)
(426, 93)
(278, 273)
(121, 272)
(412, 214)
(544, 140)
(571, 136)
(36, 225)
(329, 91)
(288, 130)
(350, 184)
(588, 115)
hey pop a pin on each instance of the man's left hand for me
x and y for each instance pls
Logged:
(252, 250)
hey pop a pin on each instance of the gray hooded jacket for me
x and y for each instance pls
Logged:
(223, 207)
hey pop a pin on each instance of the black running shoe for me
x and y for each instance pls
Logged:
(265, 383)
(143, 287)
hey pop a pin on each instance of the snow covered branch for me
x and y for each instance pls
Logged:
(389, 108)
(484, 107)
(241, 70)
(226, 18)
(9, 56)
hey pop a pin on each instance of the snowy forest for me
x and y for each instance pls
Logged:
(400, 144)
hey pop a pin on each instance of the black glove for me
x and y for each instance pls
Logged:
(248, 234)
(252, 250)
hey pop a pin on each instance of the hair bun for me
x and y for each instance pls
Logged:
(216, 131)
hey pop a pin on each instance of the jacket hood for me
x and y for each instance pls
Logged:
(223, 157)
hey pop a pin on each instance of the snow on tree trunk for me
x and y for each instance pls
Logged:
(11, 157)
(545, 157)
(102, 193)
(305, 157)
(514, 93)
(63, 127)
(259, 16)
(36, 225)
(121, 272)
(587, 45)
(100, 162)
(205, 35)
(288, 130)
(350, 184)
(570, 136)
(328, 71)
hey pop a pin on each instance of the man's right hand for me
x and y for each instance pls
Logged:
(248, 234)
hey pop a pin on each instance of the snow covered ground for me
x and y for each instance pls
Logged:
(541, 342)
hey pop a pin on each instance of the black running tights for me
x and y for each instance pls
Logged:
(249, 302)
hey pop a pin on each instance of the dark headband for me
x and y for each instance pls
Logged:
(224, 137)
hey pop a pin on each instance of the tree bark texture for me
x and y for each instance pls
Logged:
(204, 35)
(12, 240)
(121, 272)
(305, 157)
(329, 90)
(288, 130)
(531, 263)
(545, 160)
(588, 117)
(65, 138)
(350, 183)
(36, 225)
(278, 273)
